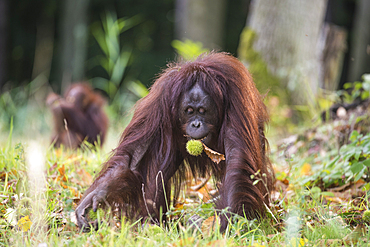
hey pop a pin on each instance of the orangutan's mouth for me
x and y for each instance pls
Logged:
(197, 139)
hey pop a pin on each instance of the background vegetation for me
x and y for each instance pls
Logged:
(320, 149)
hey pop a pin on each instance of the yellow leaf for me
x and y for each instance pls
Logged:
(24, 223)
(72, 159)
(258, 245)
(306, 169)
(58, 152)
(179, 206)
(298, 242)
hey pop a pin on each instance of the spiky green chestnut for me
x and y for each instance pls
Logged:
(366, 216)
(194, 147)
(94, 215)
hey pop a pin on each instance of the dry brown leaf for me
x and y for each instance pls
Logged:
(186, 242)
(63, 185)
(340, 188)
(209, 225)
(217, 243)
(52, 168)
(74, 192)
(213, 155)
(179, 206)
(62, 176)
(3, 174)
(86, 178)
(204, 194)
(199, 183)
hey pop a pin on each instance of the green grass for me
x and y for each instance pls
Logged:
(43, 213)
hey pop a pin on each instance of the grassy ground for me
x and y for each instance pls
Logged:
(40, 186)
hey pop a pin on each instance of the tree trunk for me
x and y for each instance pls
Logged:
(3, 38)
(286, 39)
(360, 52)
(73, 41)
(44, 49)
(201, 21)
(334, 39)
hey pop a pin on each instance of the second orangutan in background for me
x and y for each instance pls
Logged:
(78, 116)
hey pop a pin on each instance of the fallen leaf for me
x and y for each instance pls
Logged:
(204, 194)
(3, 174)
(258, 245)
(213, 155)
(72, 159)
(209, 225)
(25, 223)
(179, 206)
(306, 169)
(86, 178)
(52, 168)
(11, 216)
(74, 192)
(200, 183)
(217, 243)
(63, 185)
(59, 152)
(187, 242)
(62, 176)
(298, 242)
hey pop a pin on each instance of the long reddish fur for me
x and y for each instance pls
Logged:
(137, 189)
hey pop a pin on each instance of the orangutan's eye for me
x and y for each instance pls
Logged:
(189, 110)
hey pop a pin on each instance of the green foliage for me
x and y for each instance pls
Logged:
(17, 104)
(12, 157)
(115, 60)
(355, 157)
(188, 49)
(356, 90)
(276, 96)
(265, 81)
(350, 164)
(306, 218)
(366, 216)
(12, 184)
(310, 224)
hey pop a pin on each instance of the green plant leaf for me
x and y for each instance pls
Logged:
(333, 162)
(366, 187)
(327, 193)
(358, 153)
(354, 135)
(347, 85)
(357, 167)
(366, 162)
(359, 175)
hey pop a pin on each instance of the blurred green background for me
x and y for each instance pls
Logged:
(120, 46)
